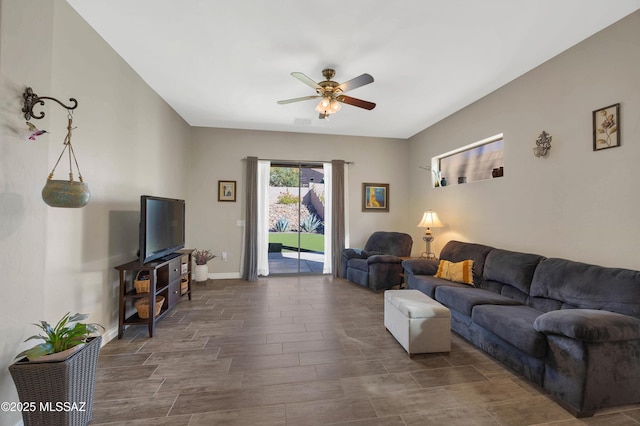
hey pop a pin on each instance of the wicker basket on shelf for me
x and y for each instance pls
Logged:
(142, 305)
(141, 283)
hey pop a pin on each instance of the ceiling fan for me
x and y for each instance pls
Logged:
(331, 92)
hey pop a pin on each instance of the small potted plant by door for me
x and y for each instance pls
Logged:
(202, 258)
(55, 379)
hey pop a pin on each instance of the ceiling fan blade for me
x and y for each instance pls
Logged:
(354, 83)
(356, 102)
(304, 98)
(306, 80)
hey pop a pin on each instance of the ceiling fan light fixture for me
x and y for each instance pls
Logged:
(331, 93)
(326, 106)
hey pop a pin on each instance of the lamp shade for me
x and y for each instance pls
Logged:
(430, 219)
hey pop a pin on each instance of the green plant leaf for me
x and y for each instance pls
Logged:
(36, 351)
(78, 317)
(66, 334)
(45, 326)
(36, 337)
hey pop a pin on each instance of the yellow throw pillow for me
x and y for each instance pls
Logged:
(460, 272)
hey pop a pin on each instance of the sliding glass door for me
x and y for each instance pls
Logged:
(296, 218)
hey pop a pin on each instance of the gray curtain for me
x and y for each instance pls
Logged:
(250, 267)
(337, 215)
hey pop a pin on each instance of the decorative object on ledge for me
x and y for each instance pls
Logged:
(436, 178)
(429, 220)
(543, 145)
(606, 126)
(60, 193)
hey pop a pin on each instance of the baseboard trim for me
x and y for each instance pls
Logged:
(225, 276)
(109, 335)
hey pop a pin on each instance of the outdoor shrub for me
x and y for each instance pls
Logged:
(310, 223)
(284, 176)
(287, 198)
(282, 225)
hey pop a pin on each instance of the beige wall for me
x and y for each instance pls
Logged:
(217, 155)
(576, 203)
(128, 142)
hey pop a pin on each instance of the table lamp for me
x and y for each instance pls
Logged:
(429, 220)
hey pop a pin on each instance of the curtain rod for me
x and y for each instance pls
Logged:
(273, 160)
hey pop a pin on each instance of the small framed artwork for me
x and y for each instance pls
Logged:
(226, 190)
(606, 127)
(375, 197)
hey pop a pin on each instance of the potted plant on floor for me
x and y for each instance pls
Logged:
(202, 258)
(55, 379)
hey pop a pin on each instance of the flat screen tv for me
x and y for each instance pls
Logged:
(162, 227)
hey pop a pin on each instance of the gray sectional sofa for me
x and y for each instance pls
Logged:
(571, 327)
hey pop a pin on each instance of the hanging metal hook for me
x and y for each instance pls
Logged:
(31, 99)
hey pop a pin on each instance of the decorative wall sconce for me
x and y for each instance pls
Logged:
(59, 193)
(543, 145)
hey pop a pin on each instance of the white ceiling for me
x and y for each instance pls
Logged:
(226, 63)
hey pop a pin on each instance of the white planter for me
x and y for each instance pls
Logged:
(201, 273)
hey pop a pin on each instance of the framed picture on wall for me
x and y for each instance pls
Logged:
(375, 197)
(606, 127)
(226, 190)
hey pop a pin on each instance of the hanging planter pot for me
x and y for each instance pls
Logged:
(58, 193)
(66, 193)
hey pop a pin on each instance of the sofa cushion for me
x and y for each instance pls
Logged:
(428, 284)
(585, 286)
(511, 268)
(589, 325)
(420, 266)
(514, 324)
(464, 299)
(460, 272)
(456, 251)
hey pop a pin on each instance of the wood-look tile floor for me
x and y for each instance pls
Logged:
(305, 351)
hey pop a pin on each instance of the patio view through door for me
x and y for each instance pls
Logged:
(296, 218)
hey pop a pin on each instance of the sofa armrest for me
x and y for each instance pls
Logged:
(383, 258)
(420, 266)
(589, 325)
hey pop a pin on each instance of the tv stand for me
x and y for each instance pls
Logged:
(169, 277)
(170, 256)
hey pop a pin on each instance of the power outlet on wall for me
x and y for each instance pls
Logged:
(224, 256)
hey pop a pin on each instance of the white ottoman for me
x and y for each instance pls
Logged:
(419, 323)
